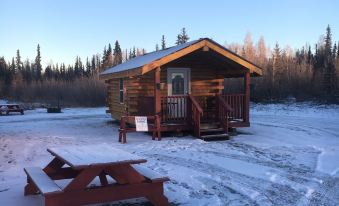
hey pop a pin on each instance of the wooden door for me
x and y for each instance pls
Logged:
(178, 80)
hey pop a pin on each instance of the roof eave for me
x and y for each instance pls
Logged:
(121, 74)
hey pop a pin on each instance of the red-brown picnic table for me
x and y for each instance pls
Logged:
(7, 108)
(83, 164)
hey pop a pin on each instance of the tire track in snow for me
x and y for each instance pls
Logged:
(266, 192)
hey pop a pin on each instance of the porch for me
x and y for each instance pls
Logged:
(206, 116)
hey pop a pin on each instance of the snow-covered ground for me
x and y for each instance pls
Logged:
(289, 156)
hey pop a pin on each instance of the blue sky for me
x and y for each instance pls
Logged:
(66, 28)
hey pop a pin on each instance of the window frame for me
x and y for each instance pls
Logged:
(121, 91)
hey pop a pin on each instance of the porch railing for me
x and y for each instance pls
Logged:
(237, 103)
(174, 108)
(182, 109)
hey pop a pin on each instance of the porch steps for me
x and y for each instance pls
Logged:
(212, 132)
(215, 137)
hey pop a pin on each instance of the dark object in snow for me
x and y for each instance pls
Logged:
(53, 110)
(56, 109)
(7, 108)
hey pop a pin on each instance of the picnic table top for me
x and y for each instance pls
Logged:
(103, 154)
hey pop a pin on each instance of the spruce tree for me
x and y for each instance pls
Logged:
(93, 65)
(329, 77)
(37, 65)
(18, 63)
(117, 54)
(104, 55)
(56, 72)
(11, 69)
(309, 55)
(277, 67)
(88, 68)
(109, 56)
(134, 52)
(182, 37)
(28, 71)
(328, 42)
(48, 72)
(130, 54)
(163, 42)
(156, 47)
(334, 52)
(3, 71)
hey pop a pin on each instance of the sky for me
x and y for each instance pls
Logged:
(67, 28)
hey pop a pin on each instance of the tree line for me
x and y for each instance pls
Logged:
(308, 73)
(74, 85)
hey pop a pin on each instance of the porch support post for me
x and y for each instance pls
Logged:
(247, 97)
(157, 94)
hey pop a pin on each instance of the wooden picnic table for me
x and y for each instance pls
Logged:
(7, 108)
(83, 164)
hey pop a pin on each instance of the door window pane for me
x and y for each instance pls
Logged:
(178, 83)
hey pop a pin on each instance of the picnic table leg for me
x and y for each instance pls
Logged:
(30, 188)
(103, 179)
(120, 136)
(158, 200)
(53, 166)
(124, 137)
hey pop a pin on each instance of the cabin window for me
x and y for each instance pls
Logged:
(178, 83)
(121, 90)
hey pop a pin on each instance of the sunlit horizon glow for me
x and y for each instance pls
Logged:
(66, 29)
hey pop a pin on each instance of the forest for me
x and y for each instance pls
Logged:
(310, 73)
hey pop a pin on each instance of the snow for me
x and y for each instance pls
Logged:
(289, 155)
(78, 156)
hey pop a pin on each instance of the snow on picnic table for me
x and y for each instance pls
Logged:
(289, 156)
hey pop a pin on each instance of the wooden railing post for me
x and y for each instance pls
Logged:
(157, 94)
(247, 97)
(157, 123)
(189, 112)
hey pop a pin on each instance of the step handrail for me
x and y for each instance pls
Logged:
(195, 115)
(225, 104)
(224, 110)
(196, 104)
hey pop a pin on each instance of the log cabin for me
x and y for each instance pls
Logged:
(182, 88)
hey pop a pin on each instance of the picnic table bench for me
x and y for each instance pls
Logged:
(82, 165)
(7, 108)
